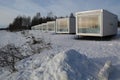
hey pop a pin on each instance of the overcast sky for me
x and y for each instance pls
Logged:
(9, 9)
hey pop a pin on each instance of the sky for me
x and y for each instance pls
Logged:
(9, 9)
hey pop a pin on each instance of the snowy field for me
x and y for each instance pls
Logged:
(67, 59)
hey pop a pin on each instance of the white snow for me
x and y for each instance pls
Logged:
(67, 65)
(104, 72)
(9, 37)
(68, 59)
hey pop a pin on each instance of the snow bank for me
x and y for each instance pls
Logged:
(67, 65)
(104, 72)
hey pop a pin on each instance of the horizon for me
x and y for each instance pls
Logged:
(12, 8)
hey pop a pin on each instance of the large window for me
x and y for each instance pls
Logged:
(62, 25)
(44, 27)
(51, 26)
(40, 27)
(88, 24)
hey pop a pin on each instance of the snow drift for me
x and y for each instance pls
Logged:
(104, 72)
(67, 65)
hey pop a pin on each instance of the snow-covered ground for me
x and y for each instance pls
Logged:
(68, 59)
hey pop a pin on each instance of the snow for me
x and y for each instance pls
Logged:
(105, 71)
(9, 37)
(67, 65)
(68, 59)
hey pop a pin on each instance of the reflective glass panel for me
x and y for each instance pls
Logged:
(62, 25)
(88, 24)
(51, 26)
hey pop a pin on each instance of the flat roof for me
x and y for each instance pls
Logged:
(101, 10)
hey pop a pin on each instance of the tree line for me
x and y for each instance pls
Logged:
(24, 23)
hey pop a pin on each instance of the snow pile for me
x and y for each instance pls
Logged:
(104, 72)
(67, 65)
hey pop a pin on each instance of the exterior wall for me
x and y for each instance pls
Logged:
(109, 23)
(72, 25)
(58, 25)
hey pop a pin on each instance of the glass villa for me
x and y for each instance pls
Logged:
(96, 23)
(65, 25)
(51, 26)
(44, 27)
(40, 27)
(36, 27)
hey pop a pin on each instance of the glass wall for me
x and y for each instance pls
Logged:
(62, 25)
(40, 27)
(44, 27)
(88, 24)
(51, 26)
